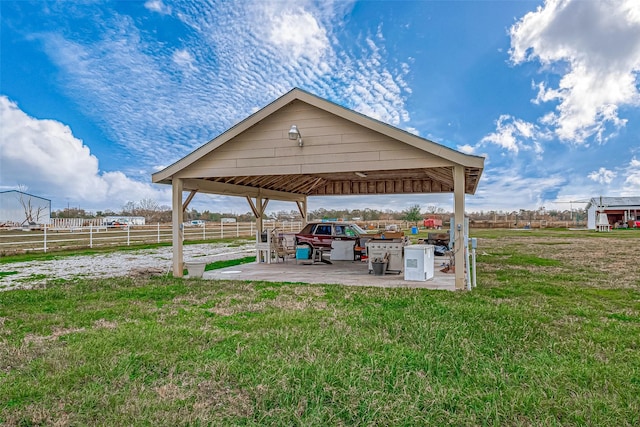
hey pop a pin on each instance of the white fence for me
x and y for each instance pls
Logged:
(93, 236)
(80, 235)
(64, 223)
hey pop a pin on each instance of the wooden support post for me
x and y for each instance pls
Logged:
(176, 225)
(459, 232)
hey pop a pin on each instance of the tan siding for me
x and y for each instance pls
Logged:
(241, 154)
(326, 158)
(218, 172)
(354, 134)
(255, 135)
(331, 144)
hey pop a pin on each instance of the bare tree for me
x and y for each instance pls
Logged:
(147, 208)
(129, 208)
(148, 205)
(31, 213)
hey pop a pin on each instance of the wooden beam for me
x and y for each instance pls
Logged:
(253, 207)
(189, 198)
(302, 208)
(207, 186)
(259, 223)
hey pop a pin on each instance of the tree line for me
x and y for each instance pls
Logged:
(153, 212)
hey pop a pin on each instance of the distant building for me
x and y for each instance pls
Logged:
(18, 208)
(123, 220)
(619, 210)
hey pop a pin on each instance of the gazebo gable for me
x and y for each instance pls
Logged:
(270, 114)
(330, 144)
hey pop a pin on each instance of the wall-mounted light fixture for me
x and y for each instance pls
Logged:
(361, 175)
(294, 134)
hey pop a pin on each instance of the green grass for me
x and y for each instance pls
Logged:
(7, 273)
(226, 263)
(534, 344)
(229, 263)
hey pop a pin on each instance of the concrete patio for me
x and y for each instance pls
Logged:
(348, 273)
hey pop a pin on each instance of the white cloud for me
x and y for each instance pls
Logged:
(157, 6)
(298, 34)
(47, 158)
(602, 175)
(515, 134)
(468, 149)
(184, 59)
(507, 188)
(595, 47)
(631, 186)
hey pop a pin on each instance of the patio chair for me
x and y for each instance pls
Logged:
(282, 248)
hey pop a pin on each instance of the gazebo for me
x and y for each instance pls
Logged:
(301, 146)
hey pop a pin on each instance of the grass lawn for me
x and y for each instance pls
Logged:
(551, 336)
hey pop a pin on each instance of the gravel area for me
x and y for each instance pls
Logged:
(31, 274)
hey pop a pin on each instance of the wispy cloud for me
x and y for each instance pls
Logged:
(515, 134)
(631, 172)
(594, 46)
(157, 6)
(161, 101)
(504, 188)
(602, 175)
(184, 59)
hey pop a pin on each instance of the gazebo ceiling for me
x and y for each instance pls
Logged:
(402, 181)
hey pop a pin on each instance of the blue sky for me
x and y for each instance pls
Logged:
(96, 96)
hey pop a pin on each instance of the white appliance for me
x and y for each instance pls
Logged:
(342, 250)
(377, 248)
(418, 262)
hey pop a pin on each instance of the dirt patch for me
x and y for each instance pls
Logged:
(147, 272)
(55, 334)
(104, 324)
